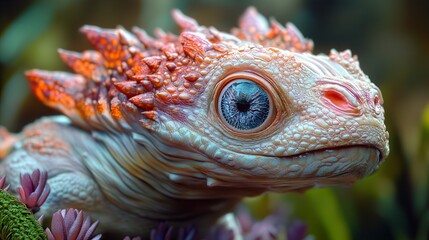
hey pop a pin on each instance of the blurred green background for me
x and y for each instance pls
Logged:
(391, 38)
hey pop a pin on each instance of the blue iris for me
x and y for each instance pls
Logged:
(244, 104)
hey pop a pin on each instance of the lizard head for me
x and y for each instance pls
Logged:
(254, 110)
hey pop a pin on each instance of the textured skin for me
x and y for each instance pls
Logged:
(144, 141)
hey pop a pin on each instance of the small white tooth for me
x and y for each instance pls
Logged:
(174, 177)
(211, 182)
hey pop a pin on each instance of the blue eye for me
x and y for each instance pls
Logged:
(244, 104)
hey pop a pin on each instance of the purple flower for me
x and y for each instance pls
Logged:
(272, 226)
(297, 231)
(71, 224)
(220, 232)
(165, 232)
(133, 238)
(162, 232)
(188, 233)
(267, 229)
(34, 190)
(2, 182)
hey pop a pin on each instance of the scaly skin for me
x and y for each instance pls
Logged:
(145, 139)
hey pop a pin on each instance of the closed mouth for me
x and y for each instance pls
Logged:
(337, 149)
(338, 162)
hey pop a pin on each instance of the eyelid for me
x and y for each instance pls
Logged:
(341, 97)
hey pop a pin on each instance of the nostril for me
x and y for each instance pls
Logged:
(377, 102)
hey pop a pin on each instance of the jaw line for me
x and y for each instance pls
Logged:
(332, 149)
(327, 166)
(353, 161)
(325, 163)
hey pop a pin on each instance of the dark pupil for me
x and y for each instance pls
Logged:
(244, 105)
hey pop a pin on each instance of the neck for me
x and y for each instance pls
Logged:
(155, 181)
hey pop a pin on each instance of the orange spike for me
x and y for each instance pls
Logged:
(144, 101)
(153, 62)
(147, 85)
(56, 89)
(275, 30)
(155, 80)
(127, 38)
(254, 27)
(142, 35)
(107, 42)
(69, 57)
(140, 70)
(298, 40)
(84, 64)
(184, 22)
(194, 44)
(252, 22)
(169, 51)
(139, 77)
(149, 114)
(129, 88)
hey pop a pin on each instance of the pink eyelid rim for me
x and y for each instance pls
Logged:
(340, 97)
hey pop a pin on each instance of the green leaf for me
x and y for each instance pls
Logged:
(327, 209)
(16, 222)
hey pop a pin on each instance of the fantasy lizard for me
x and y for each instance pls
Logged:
(181, 128)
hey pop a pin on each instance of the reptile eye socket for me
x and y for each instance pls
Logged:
(244, 104)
